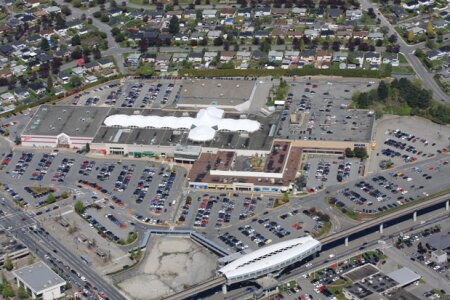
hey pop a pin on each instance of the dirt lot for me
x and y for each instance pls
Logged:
(170, 264)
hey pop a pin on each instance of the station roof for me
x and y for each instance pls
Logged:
(266, 257)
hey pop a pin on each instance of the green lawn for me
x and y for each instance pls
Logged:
(406, 70)
(402, 59)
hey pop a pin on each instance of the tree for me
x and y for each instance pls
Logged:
(360, 152)
(79, 207)
(49, 84)
(349, 152)
(145, 70)
(51, 199)
(382, 90)
(65, 195)
(76, 40)
(174, 25)
(97, 53)
(115, 31)
(393, 38)
(76, 81)
(66, 10)
(7, 291)
(410, 36)
(143, 45)
(8, 265)
(22, 293)
(87, 148)
(45, 46)
(430, 30)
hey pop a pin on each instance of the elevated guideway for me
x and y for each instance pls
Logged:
(342, 235)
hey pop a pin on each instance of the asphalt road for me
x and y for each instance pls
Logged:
(39, 243)
(408, 51)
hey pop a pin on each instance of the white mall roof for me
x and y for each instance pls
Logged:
(269, 256)
(201, 127)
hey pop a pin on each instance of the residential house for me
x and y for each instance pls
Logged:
(227, 55)
(353, 14)
(374, 36)
(177, 13)
(261, 34)
(91, 66)
(195, 57)
(391, 58)
(340, 56)
(75, 24)
(399, 12)
(411, 5)
(257, 55)
(209, 13)
(78, 71)
(7, 97)
(190, 14)
(244, 55)
(197, 36)
(311, 33)
(18, 70)
(359, 58)
(435, 54)
(275, 55)
(163, 58)
(181, 37)
(281, 13)
(263, 11)
(417, 30)
(227, 12)
(245, 12)
(37, 88)
(440, 24)
(115, 12)
(210, 55)
(373, 58)
(344, 34)
(308, 57)
(334, 13)
(178, 57)
(148, 57)
(362, 34)
(213, 34)
(327, 33)
(300, 11)
(21, 93)
(292, 55)
(105, 63)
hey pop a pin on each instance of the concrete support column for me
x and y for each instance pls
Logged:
(381, 228)
(415, 216)
(346, 242)
(224, 289)
(447, 205)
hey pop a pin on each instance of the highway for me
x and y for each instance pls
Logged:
(40, 243)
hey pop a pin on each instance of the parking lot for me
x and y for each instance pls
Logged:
(324, 171)
(132, 94)
(148, 188)
(318, 110)
(388, 190)
(402, 140)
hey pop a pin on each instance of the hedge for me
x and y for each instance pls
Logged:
(283, 72)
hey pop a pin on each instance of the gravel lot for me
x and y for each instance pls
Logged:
(170, 264)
